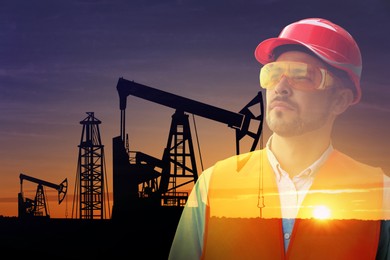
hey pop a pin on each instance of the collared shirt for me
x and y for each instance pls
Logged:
(292, 191)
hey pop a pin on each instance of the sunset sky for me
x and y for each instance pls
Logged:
(61, 59)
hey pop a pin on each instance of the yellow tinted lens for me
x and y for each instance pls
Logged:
(299, 75)
(303, 76)
(270, 74)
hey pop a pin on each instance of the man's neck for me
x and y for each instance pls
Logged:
(298, 152)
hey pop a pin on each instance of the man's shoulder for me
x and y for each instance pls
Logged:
(237, 172)
(343, 160)
(239, 165)
(246, 157)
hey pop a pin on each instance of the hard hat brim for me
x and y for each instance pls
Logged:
(264, 51)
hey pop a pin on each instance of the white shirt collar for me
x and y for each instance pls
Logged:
(309, 171)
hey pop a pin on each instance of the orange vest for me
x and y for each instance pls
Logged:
(234, 229)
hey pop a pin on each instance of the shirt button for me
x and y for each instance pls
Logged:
(286, 235)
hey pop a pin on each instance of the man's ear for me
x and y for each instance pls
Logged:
(343, 98)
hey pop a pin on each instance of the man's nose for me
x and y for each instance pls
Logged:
(283, 87)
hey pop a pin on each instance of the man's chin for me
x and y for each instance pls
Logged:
(285, 129)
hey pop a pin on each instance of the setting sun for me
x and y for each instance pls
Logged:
(321, 212)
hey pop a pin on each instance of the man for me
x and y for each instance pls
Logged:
(268, 204)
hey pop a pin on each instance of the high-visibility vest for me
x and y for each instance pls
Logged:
(236, 229)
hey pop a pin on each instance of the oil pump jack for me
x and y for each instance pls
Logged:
(37, 207)
(141, 181)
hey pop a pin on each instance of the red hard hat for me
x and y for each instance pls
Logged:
(330, 42)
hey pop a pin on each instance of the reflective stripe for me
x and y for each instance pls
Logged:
(357, 70)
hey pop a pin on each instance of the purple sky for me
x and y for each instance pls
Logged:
(61, 59)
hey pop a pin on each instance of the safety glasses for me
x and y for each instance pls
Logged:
(299, 75)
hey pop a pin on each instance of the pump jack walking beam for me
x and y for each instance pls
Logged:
(239, 121)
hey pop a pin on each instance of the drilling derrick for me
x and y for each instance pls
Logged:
(90, 179)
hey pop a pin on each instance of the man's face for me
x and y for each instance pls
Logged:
(293, 112)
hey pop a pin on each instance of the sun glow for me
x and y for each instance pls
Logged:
(321, 212)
